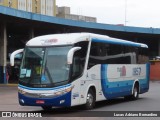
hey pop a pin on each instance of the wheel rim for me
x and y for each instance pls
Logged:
(135, 92)
(90, 99)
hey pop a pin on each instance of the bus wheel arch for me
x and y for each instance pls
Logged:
(135, 91)
(90, 98)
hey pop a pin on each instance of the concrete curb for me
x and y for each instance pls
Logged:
(8, 85)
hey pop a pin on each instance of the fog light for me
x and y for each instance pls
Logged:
(62, 101)
(22, 101)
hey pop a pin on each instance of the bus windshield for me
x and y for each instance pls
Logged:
(45, 66)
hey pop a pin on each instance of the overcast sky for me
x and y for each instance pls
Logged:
(139, 13)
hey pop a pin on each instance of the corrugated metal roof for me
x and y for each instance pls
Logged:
(56, 20)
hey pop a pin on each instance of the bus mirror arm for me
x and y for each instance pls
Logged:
(13, 55)
(71, 53)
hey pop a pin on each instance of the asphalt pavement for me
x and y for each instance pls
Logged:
(148, 102)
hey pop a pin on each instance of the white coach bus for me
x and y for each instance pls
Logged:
(81, 68)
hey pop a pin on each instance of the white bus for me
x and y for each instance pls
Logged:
(81, 68)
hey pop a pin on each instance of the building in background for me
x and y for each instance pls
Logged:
(9, 3)
(64, 12)
(45, 7)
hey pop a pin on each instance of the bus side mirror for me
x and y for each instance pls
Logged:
(13, 56)
(71, 53)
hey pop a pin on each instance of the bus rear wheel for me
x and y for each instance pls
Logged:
(90, 100)
(135, 94)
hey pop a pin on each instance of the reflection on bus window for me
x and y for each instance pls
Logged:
(105, 53)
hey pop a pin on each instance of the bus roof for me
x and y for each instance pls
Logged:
(72, 38)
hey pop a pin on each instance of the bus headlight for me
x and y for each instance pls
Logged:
(58, 93)
(63, 91)
(68, 89)
(21, 91)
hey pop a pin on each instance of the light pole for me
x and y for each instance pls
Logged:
(125, 22)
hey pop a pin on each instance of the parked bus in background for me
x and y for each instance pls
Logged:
(81, 68)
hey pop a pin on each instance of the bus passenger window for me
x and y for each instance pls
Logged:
(143, 56)
(107, 53)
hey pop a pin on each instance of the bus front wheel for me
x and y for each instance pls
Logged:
(90, 100)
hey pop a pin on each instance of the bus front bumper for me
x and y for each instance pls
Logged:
(62, 100)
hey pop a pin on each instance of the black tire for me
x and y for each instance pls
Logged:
(135, 94)
(47, 108)
(90, 100)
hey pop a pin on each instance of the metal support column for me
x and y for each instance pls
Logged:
(31, 33)
(159, 47)
(3, 53)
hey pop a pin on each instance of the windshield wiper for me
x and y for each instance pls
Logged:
(49, 75)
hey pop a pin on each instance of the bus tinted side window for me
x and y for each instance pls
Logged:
(104, 53)
(115, 54)
(142, 56)
(129, 55)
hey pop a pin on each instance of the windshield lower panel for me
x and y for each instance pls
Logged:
(45, 67)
